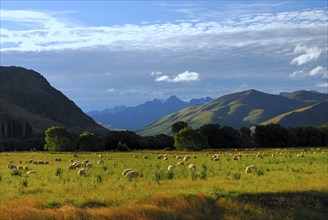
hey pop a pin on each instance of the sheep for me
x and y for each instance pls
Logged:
(126, 171)
(40, 162)
(178, 157)
(192, 167)
(145, 157)
(100, 162)
(165, 158)
(180, 163)
(35, 162)
(11, 166)
(58, 159)
(75, 155)
(71, 167)
(30, 161)
(25, 168)
(82, 172)
(132, 174)
(100, 156)
(89, 165)
(31, 171)
(216, 159)
(20, 167)
(170, 168)
(135, 156)
(46, 162)
(159, 157)
(250, 169)
(71, 160)
(195, 157)
(236, 157)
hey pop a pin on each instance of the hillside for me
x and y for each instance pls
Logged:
(307, 96)
(26, 95)
(314, 115)
(245, 108)
(136, 117)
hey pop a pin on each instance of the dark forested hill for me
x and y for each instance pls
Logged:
(27, 97)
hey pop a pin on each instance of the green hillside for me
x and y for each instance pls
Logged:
(307, 96)
(238, 109)
(314, 115)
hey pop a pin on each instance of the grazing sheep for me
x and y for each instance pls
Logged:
(132, 174)
(178, 157)
(40, 162)
(46, 162)
(25, 168)
(180, 163)
(126, 171)
(71, 160)
(135, 156)
(192, 167)
(100, 162)
(75, 155)
(77, 164)
(165, 158)
(31, 171)
(300, 155)
(58, 159)
(20, 167)
(170, 168)
(30, 161)
(145, 157)
(236, 157)
(159, 157)
(100, 156)
(82, 172)
(250, 169)
(11, 166)
(216, 159)
(35, 162)
(89, 165)
(71, 167)
(195, 156)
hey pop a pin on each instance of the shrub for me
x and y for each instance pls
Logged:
(59, 171)
(16, 173)
(25, 183)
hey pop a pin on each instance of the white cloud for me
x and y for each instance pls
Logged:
(182, 77)
(46, 31)
(310, 53)
(323, 84)
(319, 70)
(109, 90)
(156, 73)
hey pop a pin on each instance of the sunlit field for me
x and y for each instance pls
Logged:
(286, 184)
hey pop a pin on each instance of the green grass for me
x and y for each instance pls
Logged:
(219, 185)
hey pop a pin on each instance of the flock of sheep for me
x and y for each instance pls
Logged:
(133, 173)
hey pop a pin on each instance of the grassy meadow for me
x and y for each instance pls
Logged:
(287, 184)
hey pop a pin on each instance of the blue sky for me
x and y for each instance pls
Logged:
(106, 53)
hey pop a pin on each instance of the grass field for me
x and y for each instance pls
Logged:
(284, 186)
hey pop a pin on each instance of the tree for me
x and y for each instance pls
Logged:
(229, 137)
(176, 127)
(245, 136)
(91, 142)
(272, 135)
(189, 139)
(59, 139)
(213, 134)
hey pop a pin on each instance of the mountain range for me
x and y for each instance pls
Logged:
(131, 118)
(249, 108)
(28, 102)
(26, 97)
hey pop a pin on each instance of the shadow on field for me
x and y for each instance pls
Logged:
(221, 205)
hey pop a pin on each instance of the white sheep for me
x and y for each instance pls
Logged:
(25, 168)
(100, 162)
(31, 171)
(82, 172)
(89, 165)
(180, 163)
(100, 156)
(165, 158)
(216, 159)
(170, 168)
(11, 166)
(132, 174)
(159, 157)
(250, 169)
(30, 161)
(126, 171)
(145, 157)
(192, 167)
(178, 156)
(71, 167)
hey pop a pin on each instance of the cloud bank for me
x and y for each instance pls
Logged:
(309, 54)
(182, 77)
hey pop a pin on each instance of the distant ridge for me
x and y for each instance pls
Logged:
(26, 95)
(132, 118)
(245, 108)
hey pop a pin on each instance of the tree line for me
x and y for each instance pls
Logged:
(209, 136)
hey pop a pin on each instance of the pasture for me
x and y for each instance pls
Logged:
(286, 184)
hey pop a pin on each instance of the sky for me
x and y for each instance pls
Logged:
(102, 54)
